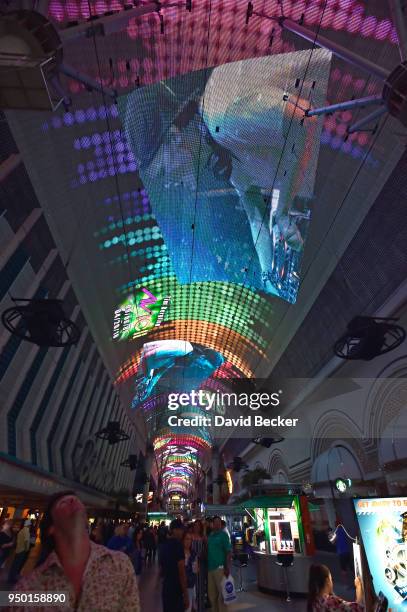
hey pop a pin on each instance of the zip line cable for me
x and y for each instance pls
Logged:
(353, 182)
(268, 205)
(114, 164)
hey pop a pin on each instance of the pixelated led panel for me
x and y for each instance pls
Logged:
(227, 149)
(160, 56)
(236, 349)
(87, 153)
(138, 314)
(229, 36)
(241, 309)
(173, 365)
(167, 366)
(180, 440)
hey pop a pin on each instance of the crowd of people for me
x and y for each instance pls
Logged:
(193, 557)
(99, 565)
(16, 538)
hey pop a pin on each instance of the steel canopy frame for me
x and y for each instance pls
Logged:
(394, 95)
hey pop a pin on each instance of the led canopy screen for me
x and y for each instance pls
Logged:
(173, 365)
(383, 525)
(138, 314)
(229, 163)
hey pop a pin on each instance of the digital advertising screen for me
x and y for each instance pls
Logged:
(138, 314)
(168, 365)
(229, 163)
(383, 527)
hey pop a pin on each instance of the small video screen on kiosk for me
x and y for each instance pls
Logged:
(383, 527)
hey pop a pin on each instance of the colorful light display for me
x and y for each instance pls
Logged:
(227, 139)
(138, 314)
(228, 318)
(163, 367)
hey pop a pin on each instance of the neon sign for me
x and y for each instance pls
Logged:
(138, 314)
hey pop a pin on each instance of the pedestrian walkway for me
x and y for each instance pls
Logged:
(251, 598)
(150, 593)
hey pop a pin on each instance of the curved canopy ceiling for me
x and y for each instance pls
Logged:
(193, 88)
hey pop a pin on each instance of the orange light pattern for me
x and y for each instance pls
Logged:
(237, 349)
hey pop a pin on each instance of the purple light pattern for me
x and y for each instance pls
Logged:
(340, 15)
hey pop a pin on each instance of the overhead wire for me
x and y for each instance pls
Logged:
(353, 182)
(344, 199)
(191, 289)
(198, 174)
(267, 210)
(114, 162)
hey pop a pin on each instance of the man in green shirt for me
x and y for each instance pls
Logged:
(219, 559)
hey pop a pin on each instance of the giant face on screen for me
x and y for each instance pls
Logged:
(168, 365)
(383, 525)
(229, 163)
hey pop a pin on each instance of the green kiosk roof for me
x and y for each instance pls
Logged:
(268, 501)
(263, 501)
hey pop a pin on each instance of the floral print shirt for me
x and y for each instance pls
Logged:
(108, 584)
(332, 603)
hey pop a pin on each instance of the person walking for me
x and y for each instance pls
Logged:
(120, 540)
(6, 541)
(96, 534)
(150, 545)
(138, 551)
(162, 534)
(199, 546)
(22, 550)
(219, 560)
(321, 597)
(94, 577)
(343, 552)
(175, 590)
(33, 533)
(191, 568)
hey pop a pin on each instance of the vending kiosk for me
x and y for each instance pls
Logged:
(281, 537)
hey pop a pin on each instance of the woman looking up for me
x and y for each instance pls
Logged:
(321, 597)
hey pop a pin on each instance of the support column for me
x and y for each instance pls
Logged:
(205, 488)
(215, 475)
(148, 465)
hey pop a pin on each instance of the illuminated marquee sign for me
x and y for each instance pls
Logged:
(138, 314)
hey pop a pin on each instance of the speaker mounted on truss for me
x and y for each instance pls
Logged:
(112, 433)
(131, 462)
(267, 442)
(30, 54)
(369, 337)
(41, 321)
(237, 464)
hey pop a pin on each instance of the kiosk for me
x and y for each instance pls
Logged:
(282, 540)
(234, 516)
(155, 518)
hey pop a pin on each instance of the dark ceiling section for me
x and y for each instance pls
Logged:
(373, 267)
